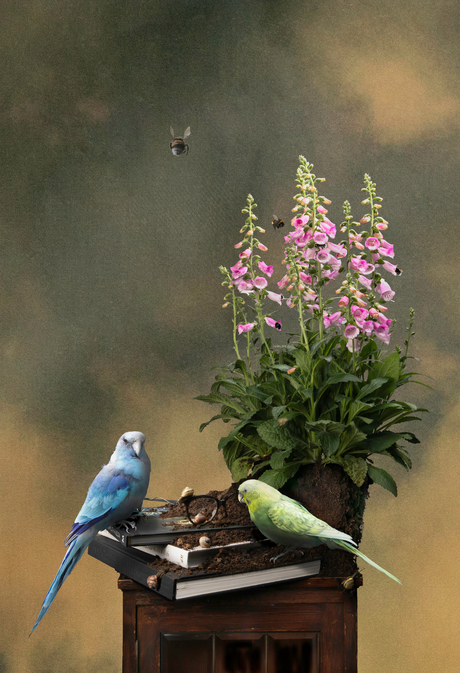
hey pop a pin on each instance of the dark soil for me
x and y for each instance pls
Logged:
(334, 563)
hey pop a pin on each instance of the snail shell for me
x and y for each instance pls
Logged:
(187, 492)
(153, 581)
(205, 542)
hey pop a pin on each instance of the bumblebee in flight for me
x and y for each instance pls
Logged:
(277, 223)
(178, 146)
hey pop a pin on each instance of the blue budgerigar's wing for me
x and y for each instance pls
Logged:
(107, 492)
(291, 517)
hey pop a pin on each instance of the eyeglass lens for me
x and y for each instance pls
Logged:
(201, 510)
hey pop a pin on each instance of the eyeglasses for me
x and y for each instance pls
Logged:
(200, 509)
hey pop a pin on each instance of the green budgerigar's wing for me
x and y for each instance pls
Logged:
(291, 517)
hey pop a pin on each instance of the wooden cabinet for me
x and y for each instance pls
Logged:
(306, 626)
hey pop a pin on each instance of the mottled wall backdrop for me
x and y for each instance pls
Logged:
(110, 292)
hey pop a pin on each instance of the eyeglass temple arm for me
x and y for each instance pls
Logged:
(170, 502)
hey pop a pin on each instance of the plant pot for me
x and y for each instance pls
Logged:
(329, 494)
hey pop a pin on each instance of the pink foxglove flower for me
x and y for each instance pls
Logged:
(260, 282)
(285, 280)
(306, 279)
(328, 227)
(320, 238)
(245, 286)
(268, 270)
(273, 323)
(334, 319)
(237, 273)
(392, 268)
(275, 297)
(245, 254)
(351, 331)
(246, 328)
(382, 333)
(385, 291)
(372, 243)
(353, 345)
(386, 249)
(323, 256)
(367, 327)
(367, 282)
(343, 301)
(262, 247)
(322, 210)
(339, 250)
(300, 221)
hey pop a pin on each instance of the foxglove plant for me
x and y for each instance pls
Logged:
(327, 395)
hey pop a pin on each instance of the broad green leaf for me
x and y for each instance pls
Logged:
(350, 437)
(382, 478)
(260, 394)
(302, 359)
(278, 459)
(277, 478)
(231, 436)
(355, 467)
(329, 442)
(355, 408)
(276, 436)
(276, 411)
(240, 468)
(380, 441)
(371, 387)
(389, 366)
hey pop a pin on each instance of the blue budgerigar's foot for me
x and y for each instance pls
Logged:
(129, 524)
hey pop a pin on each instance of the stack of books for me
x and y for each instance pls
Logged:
(133, 553)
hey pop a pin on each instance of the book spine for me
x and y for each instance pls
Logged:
(131, 563)
(121, 537)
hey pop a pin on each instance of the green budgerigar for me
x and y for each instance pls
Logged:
(286, 521)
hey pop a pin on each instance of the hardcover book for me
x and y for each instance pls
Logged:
(183, 584)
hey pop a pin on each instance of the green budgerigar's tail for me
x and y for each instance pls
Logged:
(353, 550)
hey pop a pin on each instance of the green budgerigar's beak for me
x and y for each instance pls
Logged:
(240, 497)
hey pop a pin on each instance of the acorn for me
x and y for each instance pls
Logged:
(187, 492)
(199, 518)
(205, 542)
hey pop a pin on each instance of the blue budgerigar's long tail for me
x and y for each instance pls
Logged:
(353, 550)
(70, 560)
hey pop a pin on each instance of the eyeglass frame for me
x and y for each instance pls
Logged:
(185, 501)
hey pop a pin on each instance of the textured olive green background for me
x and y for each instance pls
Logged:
(110, 295)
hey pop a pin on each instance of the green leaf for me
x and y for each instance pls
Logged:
(224, 417)
(276, 411)
(276, 436)
(355, 467)
(278, 459)
(389, 366)
(350, 437)
(240, 468)
(231, 436)
(355, 408)
(219, 398)
(371, 387)
(277, 478)
(302, 359)
(259, 394)
(380, 441)
(329, 442)
(382, 478)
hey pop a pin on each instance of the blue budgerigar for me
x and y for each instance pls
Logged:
(114, 496)
(286, 521)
